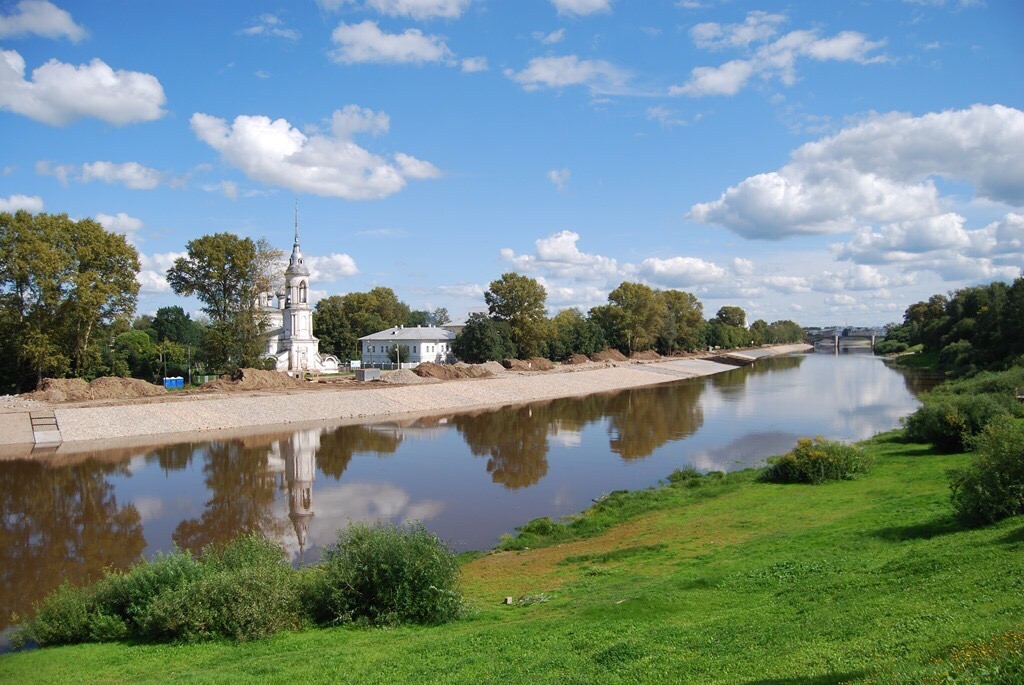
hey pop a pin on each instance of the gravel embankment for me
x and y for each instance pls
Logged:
(206, 414)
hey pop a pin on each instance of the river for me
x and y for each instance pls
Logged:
(469, 478)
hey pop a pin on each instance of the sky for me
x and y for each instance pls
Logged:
(825, 162)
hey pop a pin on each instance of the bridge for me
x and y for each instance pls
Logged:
(844, 338)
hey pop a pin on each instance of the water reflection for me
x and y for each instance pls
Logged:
(469, 477)
(60, 524)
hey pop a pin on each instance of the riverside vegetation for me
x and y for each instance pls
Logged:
(706, 578)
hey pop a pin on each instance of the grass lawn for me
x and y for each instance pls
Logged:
(728, 581)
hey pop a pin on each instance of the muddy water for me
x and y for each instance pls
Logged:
(469, 478)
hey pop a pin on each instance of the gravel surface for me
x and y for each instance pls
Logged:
(212, 412)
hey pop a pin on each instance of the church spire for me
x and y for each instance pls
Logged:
(296, 264)
(296, 222)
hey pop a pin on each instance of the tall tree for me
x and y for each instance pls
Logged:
(61, 281)
(519, 301)
(643, 314)
(224, 272)
(484, 339)
(683, 327)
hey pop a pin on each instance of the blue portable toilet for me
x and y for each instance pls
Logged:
(179, 382)
(168, 383)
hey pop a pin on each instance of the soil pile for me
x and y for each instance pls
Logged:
(447, 372)
(577, 359)
(609, 354)
(403, 377)
(495, 368)
(646, 356)
(531, 364)
(252, 379)
(105, 388)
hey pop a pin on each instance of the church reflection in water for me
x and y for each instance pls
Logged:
(295, 459)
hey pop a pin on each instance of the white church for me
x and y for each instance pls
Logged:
(290, 341)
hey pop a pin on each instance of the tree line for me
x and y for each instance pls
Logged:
(637, 318)
(68, 293)
(966, 331)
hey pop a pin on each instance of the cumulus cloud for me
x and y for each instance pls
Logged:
(30, 203)
(558, 255)
(879, 171)
(414, 9)
(560, 177)
(152, 276)
(128, 226)
(683, 272)
(353, 119)
(560, 72)
(130, 174)
(40, 18)
(772, 59)
(473, 291)
(332, 267)
(276, 153)
(270, 25)
(582, 7)
(59, 93)
(365, 42)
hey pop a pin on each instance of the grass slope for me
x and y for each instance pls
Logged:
(730, 582)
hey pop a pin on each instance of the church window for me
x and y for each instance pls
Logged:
(302, 291)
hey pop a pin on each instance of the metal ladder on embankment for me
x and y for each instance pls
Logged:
(45, 431)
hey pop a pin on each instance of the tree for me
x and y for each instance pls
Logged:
(574, 334)
(759, 333)
(62, 284)
(732, 316)
(440, 316)
(173, 324)
(226, 273)
(683, 327)
(340, 320)
(519, 301)
(484, 339)
(643, 314)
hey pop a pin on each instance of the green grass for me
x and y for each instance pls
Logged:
(726, 581)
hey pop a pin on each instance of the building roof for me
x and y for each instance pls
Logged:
(411, 333)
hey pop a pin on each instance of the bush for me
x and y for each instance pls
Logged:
(816, 461)
(991, 487)
(127, 595)
(62, 618)
(950, 421)
(383, 575)
(246, 591)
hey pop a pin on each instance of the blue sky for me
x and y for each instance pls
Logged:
(827, 162)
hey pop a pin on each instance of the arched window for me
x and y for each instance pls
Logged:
(302, 292)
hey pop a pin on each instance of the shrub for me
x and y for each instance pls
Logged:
(246, 591)
(62, 618)
(949, 421)
(127, 595)
(383, 574)
(816, 461)
(991, 487)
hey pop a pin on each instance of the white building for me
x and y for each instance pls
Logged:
(290, 341)
(425, 344)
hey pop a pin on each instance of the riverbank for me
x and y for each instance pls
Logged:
(91, 426)
(710, 580)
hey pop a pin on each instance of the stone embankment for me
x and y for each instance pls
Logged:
(97, 425)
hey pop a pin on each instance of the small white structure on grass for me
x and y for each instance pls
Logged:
(424, 344)
(290, 341)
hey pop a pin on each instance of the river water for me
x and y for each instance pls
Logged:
(468, 478)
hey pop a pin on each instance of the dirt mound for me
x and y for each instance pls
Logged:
(531, 364)
(609, 354)
(404, 377)
(495, 368)
(105, 388)
(646, 356)
(449, 372)
(577, 359)
(253, 379)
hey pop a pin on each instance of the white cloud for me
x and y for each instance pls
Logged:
(559, 72)
(771, 60)
(664, 116)
(879, 171)
(228, 189)
(560, 177)
(128, 226)
(152, 276)
(549, 38)
(683, 272)
(365, 42)
(758, 27)
(473, 65)
(464, 290)
(60, 171)
(30, 203)
(352, 119)
(787, 284)
(582, 7)
(414, 9)
(130, 174)
(276, 153)
(40, 18)
(270, 25)
(559, 256)
(59, 93)
(260, 74)
(332, 267)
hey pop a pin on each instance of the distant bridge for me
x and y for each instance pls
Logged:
(840, 339)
